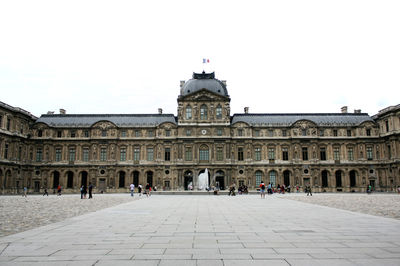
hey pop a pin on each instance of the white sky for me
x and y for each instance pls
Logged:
(129, 56)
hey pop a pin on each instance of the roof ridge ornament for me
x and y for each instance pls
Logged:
(204, 75)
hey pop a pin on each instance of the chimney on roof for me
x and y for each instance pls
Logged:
(246, 110)
(160, 111)
(62, 112)
(224, 82)
(50, 112)
(182, 83)
(344, 110)
(357, 111)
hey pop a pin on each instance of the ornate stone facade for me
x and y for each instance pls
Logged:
(331, 152)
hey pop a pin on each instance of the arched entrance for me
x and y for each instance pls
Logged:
(56, 179)
(84, 178)
(286, 178)
(202, 171)
(352, 178)
(2, 183)
(187, 179)
(149, 175)
(220, 179)
(338, 176)
(135, 176)
(121, 180)
(324, 178)
(70, 179)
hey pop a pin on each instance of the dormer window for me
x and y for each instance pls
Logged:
(40, 133)
(203, 112)
(188, 112)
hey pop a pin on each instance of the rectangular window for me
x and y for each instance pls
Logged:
(150, 133)
(204, 155)
(257, 154)
(387, 125)
(73, 134)
(349, 133)
(104, 133)
(59, 133)
(284, 132)
(270, 133)
(304, 132)
(389, 152)
(220, 154)
(271, 153)
(40, 133)
(322, 152)
(8, 124)
(19, 153)
(368, 132)
(304, 152)
(336, 154)
(168, 133)
(137, 133)
(123, 154)
(150, 154)
(71, 154)
(321, 132)
(257, 133)
(39, 154)
(350, 154)
(85, 154)
(167, 155)
(285, 154)
(240, 154)
(240, 132)
(188, 154)
(103, 154)
(1, 121)
(86, 133)
(123, 133)
(219, 132)
(58, 154)
(369, 153)
(188, 132)
(136, 154)
(335, 133)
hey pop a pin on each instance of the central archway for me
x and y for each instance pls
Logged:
(187, 179)
(220, 180)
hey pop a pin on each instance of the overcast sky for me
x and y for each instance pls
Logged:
(129, 56)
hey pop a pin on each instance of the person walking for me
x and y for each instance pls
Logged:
(147, 189)
(262, 189)
(309, 192)
(90, 190)
(25, 192)
(59, 190)
(45, 192)
(132, 187)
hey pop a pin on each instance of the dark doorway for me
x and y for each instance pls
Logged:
(84, 179)
(220, 180)
(338, 175)
(352, 178)
(188, 179)
(56, 179)
(150, 178)
(70, 179)
(324, 177)
(37, 186)
(286, 178)
(121, 182)
(136, 178)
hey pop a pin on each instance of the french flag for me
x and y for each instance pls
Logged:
(206, 61)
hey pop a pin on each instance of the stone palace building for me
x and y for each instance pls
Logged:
(329, 151)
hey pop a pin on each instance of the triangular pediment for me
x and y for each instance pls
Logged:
(204, 95)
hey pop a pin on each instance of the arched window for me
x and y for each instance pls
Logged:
(188, 112)
(272, 178)
(258, 178)
(218, 112)
(203, 112)
(204, 153)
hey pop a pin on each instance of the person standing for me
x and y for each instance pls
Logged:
(309, 192)
(59, 190)
(132, 187)
(82, 192)
(90, 190)
(147, 189)
(25, 192)
(140, 189)
(262, 189)
(45, 192)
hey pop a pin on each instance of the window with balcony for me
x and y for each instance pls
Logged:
(322, 152)
(39, 154)
(123, 154)
(203, 112)
(369, 153)
(58, 154)
(218, 112)
(188, 112)
(85, 154)
(350, 154)
(257, 154)
(150, 154)
(285, 154)
(71, 155)
(304, 152)
(336, 153)
(204, 153)
(271, 153)
(167, 154)
(240, 154)
(188, 154)
(103, 154)
(136, 154)
(220, 154)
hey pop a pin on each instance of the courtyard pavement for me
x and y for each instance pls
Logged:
(209, 230)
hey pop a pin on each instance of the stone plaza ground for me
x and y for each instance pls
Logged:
(201, 230)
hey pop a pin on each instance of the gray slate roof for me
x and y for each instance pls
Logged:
(204, 81)
(328, 119)
(120, 120)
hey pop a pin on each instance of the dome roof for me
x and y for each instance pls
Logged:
(204, 81)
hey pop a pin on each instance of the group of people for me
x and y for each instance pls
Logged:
(84, 191)
(147, 189)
